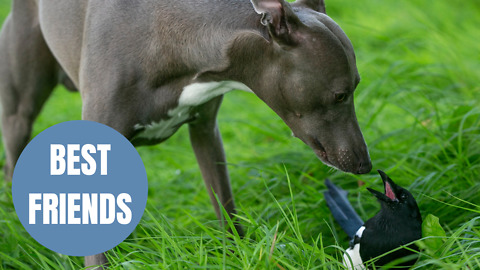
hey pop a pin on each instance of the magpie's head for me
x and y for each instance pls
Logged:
(396, 198)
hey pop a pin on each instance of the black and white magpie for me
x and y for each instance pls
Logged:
(398, 223)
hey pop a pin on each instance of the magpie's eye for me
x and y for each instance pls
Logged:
(340, 97)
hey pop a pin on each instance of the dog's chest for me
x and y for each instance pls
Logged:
(192, 96)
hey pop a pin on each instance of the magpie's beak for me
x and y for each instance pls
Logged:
(390, 189)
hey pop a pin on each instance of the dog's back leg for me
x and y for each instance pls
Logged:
(28, 73)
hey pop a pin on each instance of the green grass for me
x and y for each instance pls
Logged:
(418, 106)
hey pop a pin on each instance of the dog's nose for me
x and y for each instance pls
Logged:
(364, 166)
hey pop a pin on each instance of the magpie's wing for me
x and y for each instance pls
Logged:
(341, 209)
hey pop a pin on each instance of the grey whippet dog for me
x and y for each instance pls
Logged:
(145, 67)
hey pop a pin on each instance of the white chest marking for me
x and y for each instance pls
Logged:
(163, 128)
(199, 93)
(192, 95)
(352, 259)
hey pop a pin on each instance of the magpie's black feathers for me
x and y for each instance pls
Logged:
(341, 209)
(398, 223)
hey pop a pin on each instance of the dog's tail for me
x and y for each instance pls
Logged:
(341, 209)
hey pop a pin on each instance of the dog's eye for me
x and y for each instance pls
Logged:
(340, 97)
(403, 196)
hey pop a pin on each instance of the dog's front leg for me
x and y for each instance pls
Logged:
(207, 145)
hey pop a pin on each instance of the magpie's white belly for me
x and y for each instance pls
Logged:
(192, 95)
(352, 259)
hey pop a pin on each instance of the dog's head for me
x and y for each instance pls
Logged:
(311, 80)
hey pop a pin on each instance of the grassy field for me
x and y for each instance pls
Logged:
(418, 107)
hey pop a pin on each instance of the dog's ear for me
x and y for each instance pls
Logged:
(317, 5)
(279, 17)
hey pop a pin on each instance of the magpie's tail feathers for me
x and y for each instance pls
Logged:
(341, 209)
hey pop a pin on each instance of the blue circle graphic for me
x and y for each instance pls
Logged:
(79, 188)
